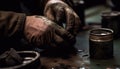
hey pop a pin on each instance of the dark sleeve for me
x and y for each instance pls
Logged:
(11, 24)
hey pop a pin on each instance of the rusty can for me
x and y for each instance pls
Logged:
(101, 43)
(111, 20)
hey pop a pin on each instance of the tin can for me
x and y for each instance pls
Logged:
(111, 20)
(101, 43)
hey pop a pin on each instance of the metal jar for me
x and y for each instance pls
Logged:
(112, 20)
(101, 43)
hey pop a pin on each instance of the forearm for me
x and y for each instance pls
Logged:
(11, 24)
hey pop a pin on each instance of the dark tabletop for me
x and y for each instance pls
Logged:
(81, 59)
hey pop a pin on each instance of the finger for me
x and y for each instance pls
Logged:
(60, 42)
(70, 20)
(73, 21)
(78, 24)
(49, 12)
(63, 33)
(59, 14)
(55, 12)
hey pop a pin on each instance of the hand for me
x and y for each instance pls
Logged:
(41, 32)
(60, 12)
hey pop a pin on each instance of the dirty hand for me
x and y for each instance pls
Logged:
(44, 33)
(60, 12)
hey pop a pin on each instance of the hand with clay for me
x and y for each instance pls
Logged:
(42, 32)
(59, 12)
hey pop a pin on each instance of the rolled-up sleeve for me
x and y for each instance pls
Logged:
(11, 24)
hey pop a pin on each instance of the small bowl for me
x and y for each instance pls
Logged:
(31, 60)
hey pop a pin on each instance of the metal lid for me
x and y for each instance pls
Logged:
(101, 31)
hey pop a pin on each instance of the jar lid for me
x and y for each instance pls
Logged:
(101, 31)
